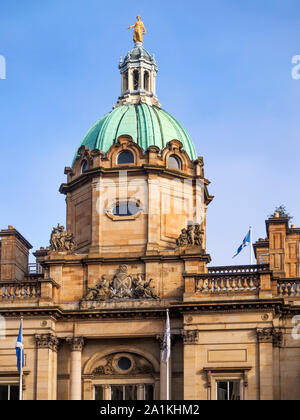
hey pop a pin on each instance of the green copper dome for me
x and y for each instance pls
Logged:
(147, 125)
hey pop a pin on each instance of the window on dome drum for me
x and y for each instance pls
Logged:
(136, 80)
(146, 81)
(125, 157)
(174, 162)
(126, 208)
(84, 167)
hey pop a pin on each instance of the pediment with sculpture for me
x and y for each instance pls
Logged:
(123, 286)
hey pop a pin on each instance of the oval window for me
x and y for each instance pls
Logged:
(174, 162)
(126, 208)
(125, 157)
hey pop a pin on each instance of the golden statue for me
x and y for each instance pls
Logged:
(139, 30)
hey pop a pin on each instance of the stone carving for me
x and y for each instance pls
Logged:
(47, 341)
(270, 335)
(122, 286)
(139, 365)
(61, 240)
(192, 236)
(99, 293)
(190, 336)
(76, 343)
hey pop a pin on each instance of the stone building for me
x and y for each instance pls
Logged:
(94, 304)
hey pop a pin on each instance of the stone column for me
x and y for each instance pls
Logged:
(265, 351)
(76, 344)
(190, 340)
(140, 392)
(107, 392)
(46, 374)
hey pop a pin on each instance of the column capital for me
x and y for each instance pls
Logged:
(269, 335)
(47, 341)
(190, 336)
(76, 343)
(160, 339)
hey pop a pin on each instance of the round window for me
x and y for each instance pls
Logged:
(124, 363)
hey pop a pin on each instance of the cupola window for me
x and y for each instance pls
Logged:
(146, 81)
(125, 157)
(174, 162)
(136, 80)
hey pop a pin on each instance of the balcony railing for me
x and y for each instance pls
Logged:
(230, 280)
(288, 288)
(35, 269)
(20, 290)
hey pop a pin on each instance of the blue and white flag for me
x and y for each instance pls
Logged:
(166, 353)
(245, 243)
(20, 348)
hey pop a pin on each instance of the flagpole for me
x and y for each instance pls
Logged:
(21, 365)
(168, 372)
(251, 255)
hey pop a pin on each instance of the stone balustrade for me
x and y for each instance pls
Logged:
(252, 280)
(221, 283)
(26, 289)
(288, 288)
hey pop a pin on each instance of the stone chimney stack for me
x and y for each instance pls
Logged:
(14, 254)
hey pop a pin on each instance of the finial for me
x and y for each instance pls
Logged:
(139, 30)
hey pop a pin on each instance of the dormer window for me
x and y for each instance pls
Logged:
(174, 162)
(125, 157)
(84, 167)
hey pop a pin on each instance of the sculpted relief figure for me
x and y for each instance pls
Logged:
(139, 30)
(183, 239)
(122, 286)
(100, 293)
(143, 288)
(61, 241)
(192, 236)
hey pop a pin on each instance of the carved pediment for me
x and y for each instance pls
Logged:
(123, 364)
(123, 286)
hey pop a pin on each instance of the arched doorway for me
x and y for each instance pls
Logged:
(121, 375)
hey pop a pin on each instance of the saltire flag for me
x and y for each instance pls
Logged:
(166, 353)
(245, 243)
(20, 348)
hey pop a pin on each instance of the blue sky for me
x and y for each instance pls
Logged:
(225, 73)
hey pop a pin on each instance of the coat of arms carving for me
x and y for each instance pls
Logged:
(123, 286)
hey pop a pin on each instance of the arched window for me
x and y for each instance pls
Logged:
(125, 157)
(84, 167)
(146, 81)
(136, 80)
(174, 162)
(125, 81)
(126, 208)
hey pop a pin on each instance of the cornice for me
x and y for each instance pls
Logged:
(138, 170)
(276, 305)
